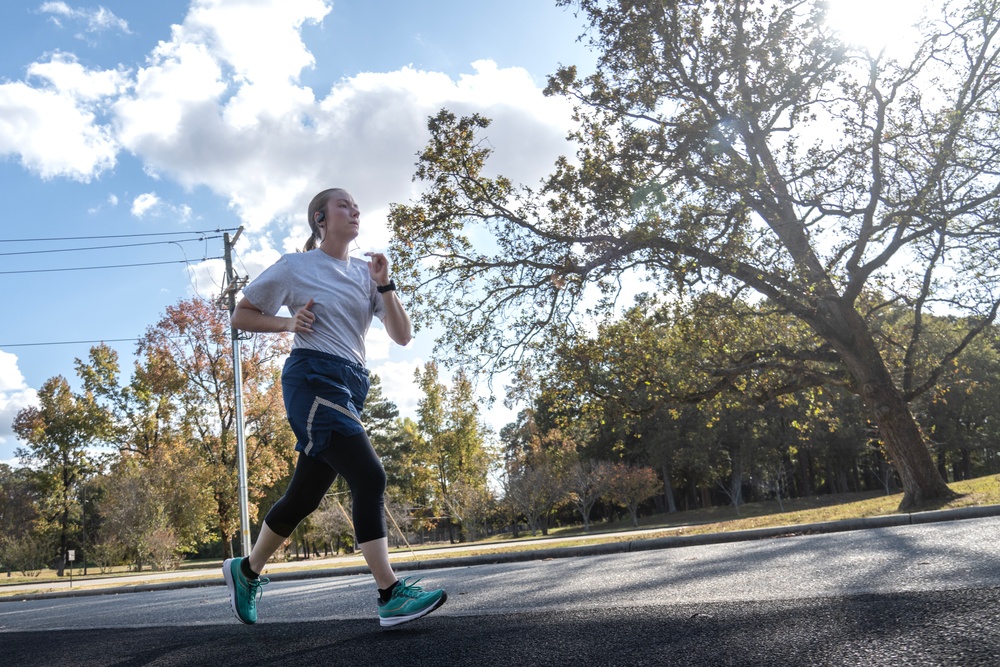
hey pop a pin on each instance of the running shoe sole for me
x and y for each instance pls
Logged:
(227, 572)
(396, 620)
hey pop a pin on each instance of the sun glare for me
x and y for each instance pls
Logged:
(877, 25)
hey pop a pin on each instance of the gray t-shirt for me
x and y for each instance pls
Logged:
(344, 296)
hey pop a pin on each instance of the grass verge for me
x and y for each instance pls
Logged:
(794, 512)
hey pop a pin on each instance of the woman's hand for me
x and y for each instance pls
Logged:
(396, 321)
(378, 268)
(303, 319)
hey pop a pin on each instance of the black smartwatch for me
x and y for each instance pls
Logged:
(391, 287)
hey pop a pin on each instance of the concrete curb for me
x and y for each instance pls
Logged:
(672, 542)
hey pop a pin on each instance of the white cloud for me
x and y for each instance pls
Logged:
(219, 105)
(144, 204)
(11, 378)
(54, 127)
(399, 385)
(111, 202)
(262, 43)
(64, 73)
(256, 260)
(195, 116)
(363, 136)
(94, 20)
(377, 343)
(15, 395)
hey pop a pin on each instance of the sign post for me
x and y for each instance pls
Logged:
(71, 556)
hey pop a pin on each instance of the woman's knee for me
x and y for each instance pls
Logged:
(356, 461)
(290, 510)
(379, 480)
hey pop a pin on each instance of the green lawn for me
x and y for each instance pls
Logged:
(813, 509)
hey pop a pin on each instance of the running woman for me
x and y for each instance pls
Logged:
(333, 298)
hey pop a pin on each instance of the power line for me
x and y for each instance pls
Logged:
(109, 247)
(107, 266)
(73, 342)
(119, 236)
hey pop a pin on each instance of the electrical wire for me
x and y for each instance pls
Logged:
(202, 238)
(72, 342)
(119, 236)
(106, 266)
(108, 247)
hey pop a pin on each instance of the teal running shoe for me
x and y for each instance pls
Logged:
(409, 602)
(243, 593)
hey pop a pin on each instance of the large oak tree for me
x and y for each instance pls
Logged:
(734, 144)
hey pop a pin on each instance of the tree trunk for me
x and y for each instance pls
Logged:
(668, 490)
(227, 543)
(904, 443)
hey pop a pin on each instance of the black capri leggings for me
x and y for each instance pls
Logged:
(352, 457)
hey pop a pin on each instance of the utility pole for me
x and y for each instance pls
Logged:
(233, 284)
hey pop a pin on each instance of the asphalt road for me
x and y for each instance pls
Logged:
(911, 595)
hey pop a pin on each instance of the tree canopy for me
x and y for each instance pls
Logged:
(738, 145)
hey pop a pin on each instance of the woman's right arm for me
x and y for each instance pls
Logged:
(247, 317)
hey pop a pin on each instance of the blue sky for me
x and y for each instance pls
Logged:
(125, 118)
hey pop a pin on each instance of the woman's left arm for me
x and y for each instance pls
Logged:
(396, 321)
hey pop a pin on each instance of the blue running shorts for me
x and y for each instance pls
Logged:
(324, 394)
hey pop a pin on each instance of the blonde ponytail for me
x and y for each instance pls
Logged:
(310, 243)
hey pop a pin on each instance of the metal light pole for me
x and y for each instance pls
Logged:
(233, 285)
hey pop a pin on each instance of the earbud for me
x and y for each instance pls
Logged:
(320, 217)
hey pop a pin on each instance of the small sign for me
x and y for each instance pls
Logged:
(71, 555)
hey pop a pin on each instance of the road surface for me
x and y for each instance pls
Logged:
(912, 595)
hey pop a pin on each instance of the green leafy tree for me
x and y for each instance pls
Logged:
(412, 481)
(453, 440)
(959, 414)
(332, 525)
(515, 445)
(541, 481)
(431, 433)
(59, 434)
(532, 491)
(472, 506)
(133, 516)
(381, 418)
(656, 376)
(142, 413)
(20, 498)
(739, 144)
(146, 432)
